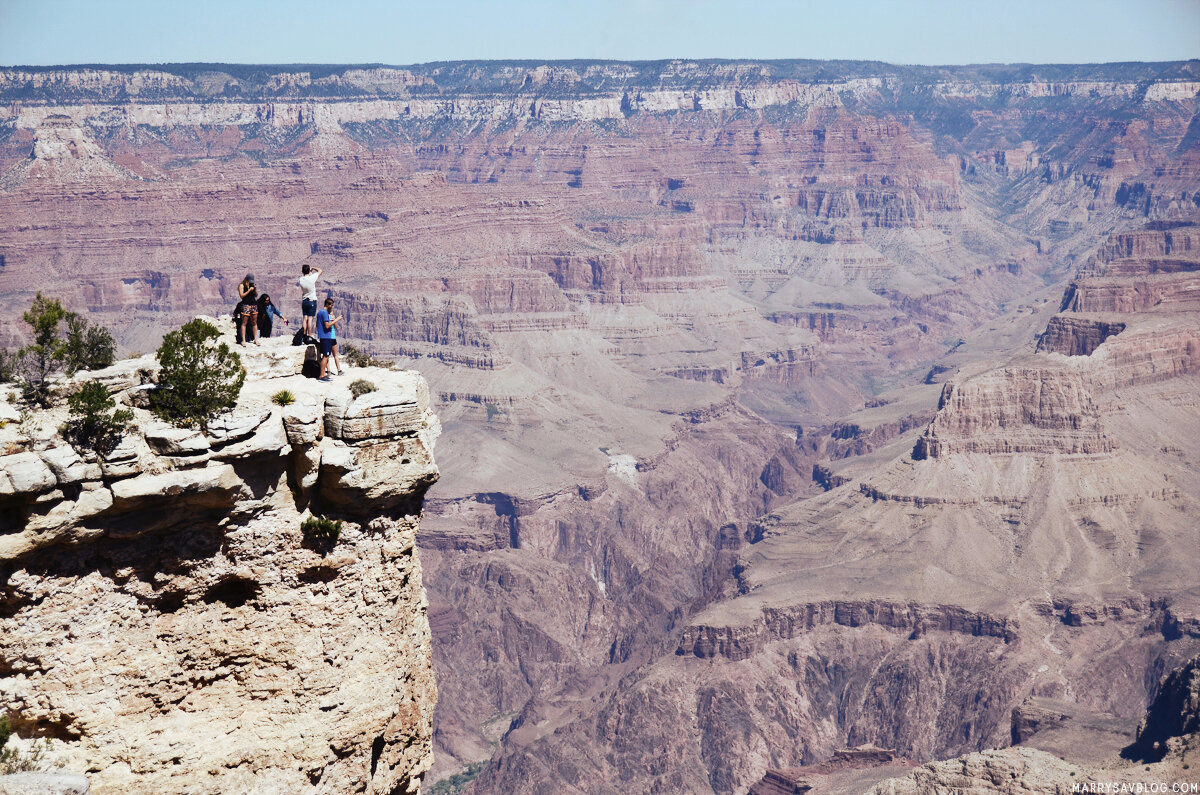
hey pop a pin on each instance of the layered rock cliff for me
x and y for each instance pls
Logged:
(169, 626)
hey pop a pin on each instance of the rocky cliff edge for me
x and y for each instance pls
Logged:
(168, 626)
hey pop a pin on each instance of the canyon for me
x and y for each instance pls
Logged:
(787, 407)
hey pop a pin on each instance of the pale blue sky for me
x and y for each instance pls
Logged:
(41, 32)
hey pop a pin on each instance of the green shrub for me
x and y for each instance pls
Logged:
(320, 531)
(88, 347)
(14, 760)
(5, 730)
(93, 424)
(283, 398)
(198, 378)
(360, 387)
(85, 347)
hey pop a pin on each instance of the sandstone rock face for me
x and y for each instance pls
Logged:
(170, 628)
(1015, 411)
(1076, 336)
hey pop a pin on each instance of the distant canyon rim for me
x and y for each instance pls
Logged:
(786, 406)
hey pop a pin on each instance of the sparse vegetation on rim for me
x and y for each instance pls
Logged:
(361, 386)
(83, 346)
(321, 530)
(357, 357)
(95, 423)
(198, 378)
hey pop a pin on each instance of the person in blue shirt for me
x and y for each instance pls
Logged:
(327, 336)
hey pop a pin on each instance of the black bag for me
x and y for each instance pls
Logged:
(298, 337)
(312, 364)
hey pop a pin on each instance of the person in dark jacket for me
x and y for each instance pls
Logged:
(266, 310)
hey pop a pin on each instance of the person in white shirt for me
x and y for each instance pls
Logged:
(308, 298)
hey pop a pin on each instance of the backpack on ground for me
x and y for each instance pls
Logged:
(312, 364)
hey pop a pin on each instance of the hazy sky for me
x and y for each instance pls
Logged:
(40, 32)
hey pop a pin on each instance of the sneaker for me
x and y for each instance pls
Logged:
(326, 378)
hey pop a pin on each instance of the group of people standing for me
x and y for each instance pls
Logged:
(255, 313)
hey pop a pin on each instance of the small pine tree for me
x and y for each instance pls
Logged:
(88, 347)
(48, 351)
(93, 424)
(85, 347)
(197, 378)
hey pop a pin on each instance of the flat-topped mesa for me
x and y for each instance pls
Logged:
(1015, 410)
(170, 624)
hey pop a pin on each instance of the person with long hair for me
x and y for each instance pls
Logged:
(248, 294)
(266, 310)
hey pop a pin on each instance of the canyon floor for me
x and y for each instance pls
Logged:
(787, 406)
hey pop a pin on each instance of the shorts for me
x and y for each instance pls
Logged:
(308, 307)
(249, 310)
(327, 344)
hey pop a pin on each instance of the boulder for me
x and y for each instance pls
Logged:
(67, 513)
(215, 477)
(166, 439)
(381, 414)
(268, 437)
(369, 479)
(50, 783)
(307, 467)
(124, 460)
(122, 376)
(337, 401)
(68, 467)
(233, 426)
(25, 473)
(304, 420)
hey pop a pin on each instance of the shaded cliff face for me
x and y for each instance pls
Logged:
(646, 298)
(167, 624)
